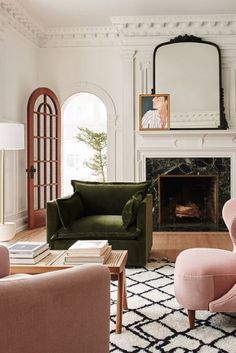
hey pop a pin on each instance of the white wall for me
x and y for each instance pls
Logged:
(18, 77)
(97, 70)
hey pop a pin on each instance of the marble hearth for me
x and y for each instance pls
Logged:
(199, 152)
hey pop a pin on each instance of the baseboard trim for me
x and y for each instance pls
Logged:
(20, 219)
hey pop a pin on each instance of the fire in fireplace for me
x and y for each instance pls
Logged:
(190, 209)
(188, 199)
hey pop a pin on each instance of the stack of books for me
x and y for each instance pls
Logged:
(28, 252)
(88, 251)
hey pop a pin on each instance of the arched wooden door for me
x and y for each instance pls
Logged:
(44, 157)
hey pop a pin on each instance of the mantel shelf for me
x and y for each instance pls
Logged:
(185, 132)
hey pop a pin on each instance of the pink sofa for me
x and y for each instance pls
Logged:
(56, 312)
(205, 279)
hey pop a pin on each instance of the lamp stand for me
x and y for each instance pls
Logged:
(7, 229)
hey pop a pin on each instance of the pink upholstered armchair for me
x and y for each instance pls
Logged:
(56, 312)
(205, 279)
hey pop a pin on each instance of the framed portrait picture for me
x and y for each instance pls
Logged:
(154, 112)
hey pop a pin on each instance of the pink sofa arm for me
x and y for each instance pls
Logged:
(4, 261)
(226, 303)
(57, 312)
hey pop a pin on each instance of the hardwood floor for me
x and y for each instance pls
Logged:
(170, 244)
(165, 244)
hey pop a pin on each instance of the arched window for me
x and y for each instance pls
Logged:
(84, 140)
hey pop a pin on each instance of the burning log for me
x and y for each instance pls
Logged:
(189, 210)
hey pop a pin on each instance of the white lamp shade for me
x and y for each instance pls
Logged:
(11, 136)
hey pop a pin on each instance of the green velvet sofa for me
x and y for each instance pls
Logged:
(101, 216)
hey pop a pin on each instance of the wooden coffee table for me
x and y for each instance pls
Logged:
(115, 263)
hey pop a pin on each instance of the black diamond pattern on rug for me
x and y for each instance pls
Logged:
(156, 323)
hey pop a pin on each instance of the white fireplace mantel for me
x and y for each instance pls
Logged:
(186, 144)
(172, 140)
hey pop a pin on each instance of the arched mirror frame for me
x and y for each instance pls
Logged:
(223, 124)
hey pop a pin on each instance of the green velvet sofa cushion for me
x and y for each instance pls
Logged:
(130, 209)
(106, 198)
(69, 209)
(98, 227)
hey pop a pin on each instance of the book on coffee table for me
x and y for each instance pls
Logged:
(77, 259)
(88, 247)
(27, 249)
(28, 260)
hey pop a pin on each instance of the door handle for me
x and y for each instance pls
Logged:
(31, 171)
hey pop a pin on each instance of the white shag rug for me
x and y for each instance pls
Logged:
(156, 323)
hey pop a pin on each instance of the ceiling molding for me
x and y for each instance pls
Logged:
(137, 26)
(76, 36)
(75, 41)
(16, 16)
(122, 28)
(81, 30)
(171, 18)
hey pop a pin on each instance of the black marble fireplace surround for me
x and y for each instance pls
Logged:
(219, 167)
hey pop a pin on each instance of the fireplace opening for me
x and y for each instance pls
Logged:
(190, 167)
(188, 200)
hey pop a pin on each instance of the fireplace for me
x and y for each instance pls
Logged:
(176, 176)
(187, 199)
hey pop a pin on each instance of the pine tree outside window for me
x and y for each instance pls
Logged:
(84, 140)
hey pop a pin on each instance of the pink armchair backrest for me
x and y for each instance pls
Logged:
(229, 216)
(4, 261)
(57, 312)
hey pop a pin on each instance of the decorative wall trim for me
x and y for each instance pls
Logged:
(17, 17)
(144, 67)
(72, 37)
(121, 27)
(20, 219)
(151, 20)
(186, 140)
(198, 119)
(84, 86)
(169, 25)
(128, 57)
(1, 27)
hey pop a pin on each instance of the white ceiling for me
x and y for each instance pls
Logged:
(76, 13)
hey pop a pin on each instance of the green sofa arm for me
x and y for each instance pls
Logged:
(144, 221)
(53, 222)
(144, 214)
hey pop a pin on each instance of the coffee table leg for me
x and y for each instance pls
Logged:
(125, 304)
(120, 301)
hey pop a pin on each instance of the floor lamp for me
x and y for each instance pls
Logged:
(11, 138)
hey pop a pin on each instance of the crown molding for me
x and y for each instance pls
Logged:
(17, 17)
(124, 28)
(76, 36)
(171, 18)
(136, 26)
(121, 31)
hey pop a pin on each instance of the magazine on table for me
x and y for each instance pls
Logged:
(27, 249)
